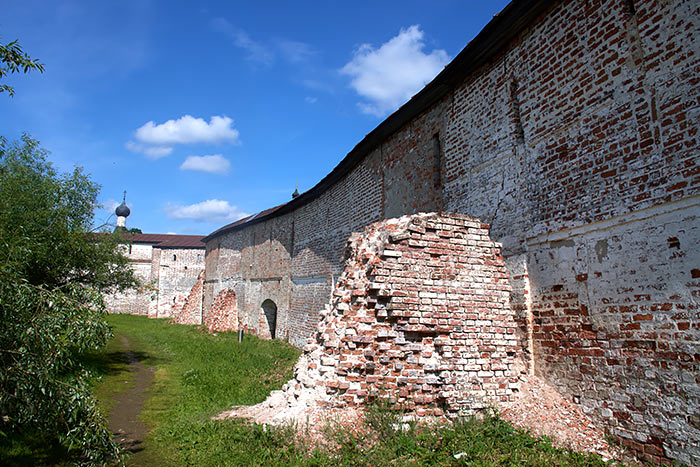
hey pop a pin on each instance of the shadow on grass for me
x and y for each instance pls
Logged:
(115, 362)
(30, 447)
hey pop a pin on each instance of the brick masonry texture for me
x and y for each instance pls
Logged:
(179, 270)
(171, 283)
(135, 302)
(419, 315)
(191, 311)
(578, 143)
(223, 315)
(256, 266)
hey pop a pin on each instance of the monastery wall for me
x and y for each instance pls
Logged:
(178, 271)
(191, 310)
(321, 230)
(294, 259)
(578, 143)
(155, 273)
(244, 270)
(583, 155)
(420, 316)
(138, 301)
(167, 275)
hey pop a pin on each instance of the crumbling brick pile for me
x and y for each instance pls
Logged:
(223, 315)
(420, 315)
(191, 310)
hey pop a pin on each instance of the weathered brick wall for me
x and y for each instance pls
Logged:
(563, 148)
(167, 276)
(135, 302)
(155, 272)
(223, 312)
(321, 229)
(178, 271)
(420, 315)
(411, 166)
(307, 294)
(578, 143)
(297, 257)
(138, 252)
(297, 265)
(255, 265)
(191, 310)
(616, 323)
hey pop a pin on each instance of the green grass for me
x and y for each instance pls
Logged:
(30, 447)
(487, 441)
(199, 375)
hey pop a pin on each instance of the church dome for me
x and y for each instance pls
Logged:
(122, 210)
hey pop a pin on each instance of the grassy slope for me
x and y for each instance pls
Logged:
(199, 375)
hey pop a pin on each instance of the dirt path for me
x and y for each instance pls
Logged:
(129, 431)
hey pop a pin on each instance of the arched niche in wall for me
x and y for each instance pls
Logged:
(269, 310)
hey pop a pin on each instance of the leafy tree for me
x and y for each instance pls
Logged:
(12, 60)
(53, 272)
(124, 230)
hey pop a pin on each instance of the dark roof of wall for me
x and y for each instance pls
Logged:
(495, 36)
(167, 240)
(244, 221)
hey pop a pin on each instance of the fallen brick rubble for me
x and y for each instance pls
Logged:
(421, 316)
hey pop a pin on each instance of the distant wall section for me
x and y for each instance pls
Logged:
(169, 277)
(138, 301)
(178, 271)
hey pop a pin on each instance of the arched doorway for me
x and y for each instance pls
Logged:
(270, 311)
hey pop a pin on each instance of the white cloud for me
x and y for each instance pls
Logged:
(110, 205)
(187, 130)
(295, 51)
(211, 210)
(153, 152)
(215, 164)
(257, 52)
(267, 52)
(311, 100)
(390, 75)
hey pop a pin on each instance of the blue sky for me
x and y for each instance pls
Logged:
(207, 111)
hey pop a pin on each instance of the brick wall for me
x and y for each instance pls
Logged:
(178, 271)
(421, 313)
(583, 156)
(421, 316)
(167, 277)
(155, 272)
(223, 313)
(578, 143)
(255, 266)
(135, 302)
(616, 323)
(191, 310)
